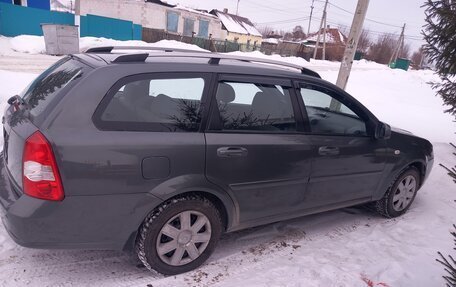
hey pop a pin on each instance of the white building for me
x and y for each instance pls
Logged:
(158, 15)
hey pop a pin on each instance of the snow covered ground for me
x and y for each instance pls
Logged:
(349, 247)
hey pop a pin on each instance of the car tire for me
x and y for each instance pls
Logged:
(400, 194)
(179, 235)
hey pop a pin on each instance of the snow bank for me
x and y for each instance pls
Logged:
(35, 44)
(5, 45)
(271, 40)
(28, 44)
(87, 42)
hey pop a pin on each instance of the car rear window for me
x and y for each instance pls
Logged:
(40, 93)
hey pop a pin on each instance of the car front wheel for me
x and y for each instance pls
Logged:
(400, 195)
(179, 235)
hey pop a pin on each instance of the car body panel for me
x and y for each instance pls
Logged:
(350, 175)
(271, 179)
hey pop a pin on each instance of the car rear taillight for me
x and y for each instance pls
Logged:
(41, 178)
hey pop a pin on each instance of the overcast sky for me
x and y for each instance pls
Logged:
(382, 15)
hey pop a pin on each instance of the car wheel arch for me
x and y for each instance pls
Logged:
(223, 203)
(418, 164)
(396, 171)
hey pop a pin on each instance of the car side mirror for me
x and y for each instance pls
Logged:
(382, 131)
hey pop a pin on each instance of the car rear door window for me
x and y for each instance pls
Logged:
(327, 115)
(164, 104)
(249, 106)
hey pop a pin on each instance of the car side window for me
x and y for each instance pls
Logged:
(254, 107)
(329, 116)
(164, 104)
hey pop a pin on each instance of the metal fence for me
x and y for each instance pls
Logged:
(154, 35)
(18, 20)
(98, 26)
(287, 49)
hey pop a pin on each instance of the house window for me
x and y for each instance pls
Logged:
(203, 28)
(172, 21)
(189, 26)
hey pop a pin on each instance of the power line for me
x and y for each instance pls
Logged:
(367, 19)
(417, 37)
(272, 9)
(299, 19)
(285, 21)
(283, 7)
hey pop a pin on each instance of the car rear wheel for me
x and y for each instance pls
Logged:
(179, 235)
(400, 195)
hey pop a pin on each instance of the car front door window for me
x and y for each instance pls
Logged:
(327, 115)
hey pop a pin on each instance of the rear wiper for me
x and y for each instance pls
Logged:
(16, 101)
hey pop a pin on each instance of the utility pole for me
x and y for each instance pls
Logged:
(319, 30)
(399, 46)
(350, 48)
(237, 8)
(77, 17)
(323, 54)
(310, 17)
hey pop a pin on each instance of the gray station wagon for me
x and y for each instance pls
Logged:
(160, 151)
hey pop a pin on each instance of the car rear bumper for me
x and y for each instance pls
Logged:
(77, 222)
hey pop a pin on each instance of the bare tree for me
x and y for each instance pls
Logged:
(405, 51)
(343, 29)
(266, 30)
(298, 33)
(418, 58)
(383, 48)
(288, 36)
(364, 41)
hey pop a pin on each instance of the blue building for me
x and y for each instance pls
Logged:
(40, 4)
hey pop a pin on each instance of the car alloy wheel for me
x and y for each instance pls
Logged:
(183, 238)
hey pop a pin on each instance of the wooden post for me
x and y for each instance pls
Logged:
(399, 46)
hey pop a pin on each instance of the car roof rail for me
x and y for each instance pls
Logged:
(110, 49)
(214, 58)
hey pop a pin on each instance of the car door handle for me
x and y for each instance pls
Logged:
(328, 150)
(232, 152)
